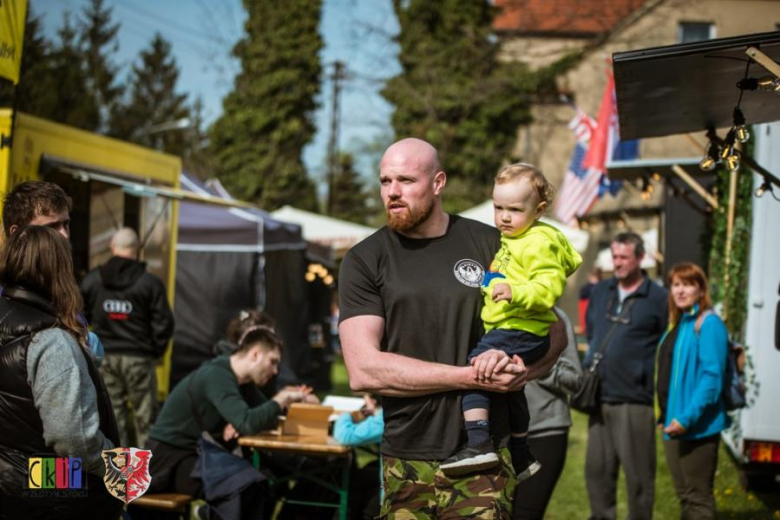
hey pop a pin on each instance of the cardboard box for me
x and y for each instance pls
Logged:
(307, 420)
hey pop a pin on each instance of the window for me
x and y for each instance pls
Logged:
(695, 32)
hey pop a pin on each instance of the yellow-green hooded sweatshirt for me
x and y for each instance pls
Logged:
(535, 265)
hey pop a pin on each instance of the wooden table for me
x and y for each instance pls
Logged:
(312, 447)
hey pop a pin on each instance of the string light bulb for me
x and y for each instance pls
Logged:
(765, 186)
(711, 159)
(728, 154)
(741, 134)
(647, 189)
(769, 83)
(732, 161)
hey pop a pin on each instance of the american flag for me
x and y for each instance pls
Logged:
(580, 186)
(586, 180)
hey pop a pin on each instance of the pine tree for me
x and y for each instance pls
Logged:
(72, 106)
(37, 90)
(153, 101)
(453, 92)
(196, 158)
(348, 200)
(267, 119)
(98, 41)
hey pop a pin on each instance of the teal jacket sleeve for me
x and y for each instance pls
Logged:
(711, 356)
(347, 432)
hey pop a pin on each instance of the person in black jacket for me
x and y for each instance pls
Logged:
(128, 308)
(626, 317)
(53, 404)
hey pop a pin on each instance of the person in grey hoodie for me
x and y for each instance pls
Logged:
(128, 309)
(548, 434)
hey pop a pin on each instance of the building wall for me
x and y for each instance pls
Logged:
(548, 142)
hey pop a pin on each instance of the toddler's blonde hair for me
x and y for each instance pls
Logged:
(545, 191)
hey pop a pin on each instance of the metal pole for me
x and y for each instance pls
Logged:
(335, 122)
(734, 175)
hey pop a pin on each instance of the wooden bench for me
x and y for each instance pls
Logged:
(170, 502)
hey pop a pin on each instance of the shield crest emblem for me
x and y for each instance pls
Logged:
(127, 472)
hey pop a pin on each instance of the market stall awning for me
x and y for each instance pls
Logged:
(685, 169)
(132, 184)
(691, 87)
(322, 229)
(638, 168)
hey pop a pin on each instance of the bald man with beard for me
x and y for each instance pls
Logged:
(128, 308)
(410, 303)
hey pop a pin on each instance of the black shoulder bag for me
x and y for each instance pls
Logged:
(588, 398)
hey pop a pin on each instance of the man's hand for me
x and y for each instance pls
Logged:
(488, 363)
(502, 291)
(512, 377)
(293, 394)
(229, 433)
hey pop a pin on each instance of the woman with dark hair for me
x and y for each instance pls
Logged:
(691, 371)
(246, 318)
(54, 403)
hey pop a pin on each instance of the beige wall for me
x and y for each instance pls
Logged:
(539, 52)
(549, 143)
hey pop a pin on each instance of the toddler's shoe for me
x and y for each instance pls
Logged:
(470, 459)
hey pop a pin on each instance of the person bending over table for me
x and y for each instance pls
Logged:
(223, 396)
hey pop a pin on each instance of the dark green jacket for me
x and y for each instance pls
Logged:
(219, 400)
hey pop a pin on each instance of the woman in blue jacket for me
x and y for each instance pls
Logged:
(691, 371)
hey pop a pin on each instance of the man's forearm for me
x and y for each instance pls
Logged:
(391, 374)
(395, 375)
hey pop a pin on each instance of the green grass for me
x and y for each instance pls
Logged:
(570, 500)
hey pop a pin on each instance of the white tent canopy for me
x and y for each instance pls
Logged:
(484, 213)
(321, 229)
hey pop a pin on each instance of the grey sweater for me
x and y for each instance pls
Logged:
(66, 398)
(548, 396)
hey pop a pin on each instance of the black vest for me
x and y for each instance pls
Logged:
(22, 315)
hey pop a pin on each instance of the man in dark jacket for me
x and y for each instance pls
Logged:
(128, 308)
(626, 317)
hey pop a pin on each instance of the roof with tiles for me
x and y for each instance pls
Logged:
(562, 17)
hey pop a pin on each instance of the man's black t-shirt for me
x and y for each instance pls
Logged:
(427, 291)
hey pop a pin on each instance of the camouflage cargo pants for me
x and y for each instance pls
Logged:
(131, 381)
(417, 489)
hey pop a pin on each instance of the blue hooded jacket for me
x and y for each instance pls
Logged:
(697, 375)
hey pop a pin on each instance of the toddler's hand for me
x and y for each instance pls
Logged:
(502, 291)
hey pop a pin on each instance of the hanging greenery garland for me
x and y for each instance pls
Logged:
(729, 272)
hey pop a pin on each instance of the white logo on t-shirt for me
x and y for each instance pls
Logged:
(469, 272)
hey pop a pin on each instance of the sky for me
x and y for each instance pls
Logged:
(202, 34)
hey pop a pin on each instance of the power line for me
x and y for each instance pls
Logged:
(185, 29)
